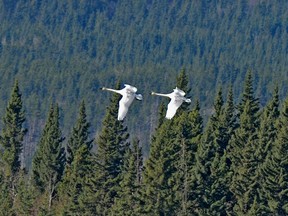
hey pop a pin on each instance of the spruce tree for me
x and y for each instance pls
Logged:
(275, 170)
(49, 160)
(78, 165)
(159, 168)
(268, 130)
(23, 204)
(242, 148)
(211, 176)
(11, 138)
(79, 136)
(127, 201)
(6, 202)
(163, 184)
(187, 139)
(112, 144)
(11, 144)
(182, 82)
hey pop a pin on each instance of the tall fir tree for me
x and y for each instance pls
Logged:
(11, 144)
(79, 136)
(49, 161)
(268, 130)
(165, 176)
(24, 201)
(11, 138)
(158, 170)
(241, 150)
(223, 124)
(128, 200)
(211, 174)
(187, 138)
(274, 171)
(78, 166)
(182, 82)
(112, 144)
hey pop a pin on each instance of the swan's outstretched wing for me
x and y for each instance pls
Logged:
(122, 111)
(130, 88)
(172, 108)
(179, 91)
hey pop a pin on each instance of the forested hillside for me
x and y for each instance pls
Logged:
(63, 51)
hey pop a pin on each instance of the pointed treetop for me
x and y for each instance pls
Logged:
(218, 104)
(13, 132)
(248, 100)
(182, 81)
(248, 88)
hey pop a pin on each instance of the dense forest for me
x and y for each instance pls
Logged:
(63, 51)
(62, 150)
(236, 164)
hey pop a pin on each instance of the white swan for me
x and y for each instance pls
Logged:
(128, 94)
(177, 98)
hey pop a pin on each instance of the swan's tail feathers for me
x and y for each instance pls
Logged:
(188, 100)
(139, 97)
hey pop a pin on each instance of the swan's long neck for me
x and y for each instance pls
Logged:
(112, 90)
(159, 94)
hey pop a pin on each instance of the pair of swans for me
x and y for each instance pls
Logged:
(129, 94)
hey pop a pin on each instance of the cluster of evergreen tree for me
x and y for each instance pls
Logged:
(236, 164)
(67, 49)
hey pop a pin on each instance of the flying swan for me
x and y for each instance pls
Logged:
(177, 98)
(128, 94)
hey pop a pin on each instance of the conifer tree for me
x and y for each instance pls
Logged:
(79, 136)
(162, 183)
(241, 150)
(182, 82)
(11, 145)
(210, 178)
(6, 202)
(111, 149)
(187, 139)
(49, 160)
(23, 204)
(267, 130)
(275, 170)
(127, 201)
(13, 133)
(158, 170)
(172, 156)
(78, 166)
(229, 118)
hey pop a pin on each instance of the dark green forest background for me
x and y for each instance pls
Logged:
(65, 50)
(222, 155)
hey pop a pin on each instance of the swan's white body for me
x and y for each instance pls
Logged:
(128, 95)
(177, 98)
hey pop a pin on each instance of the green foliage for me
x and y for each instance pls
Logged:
(166, 175)
(5, 198)
(59, 50)
(274, 169)
(111, 149)
(211, 174)
(78, 166)
(66, 54)
(24, 202)
(128, 198)
(242, 147)
(49, 159)
(11, 138)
